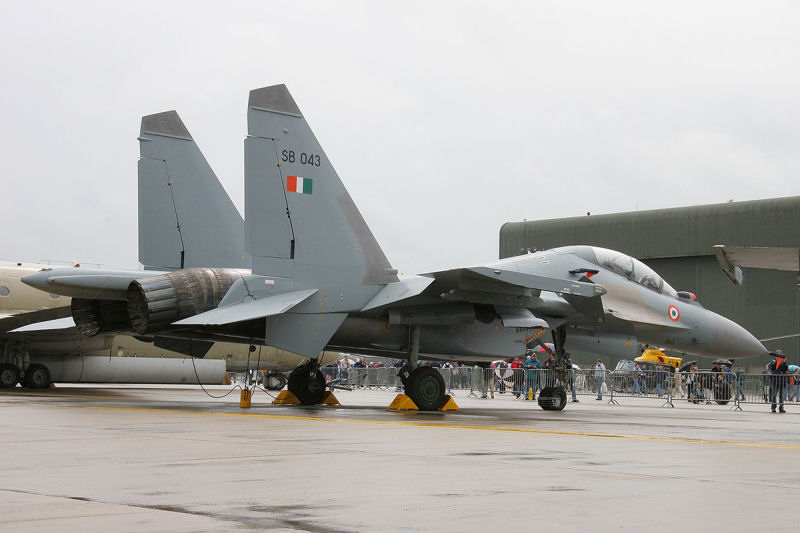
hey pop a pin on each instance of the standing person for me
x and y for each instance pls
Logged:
(794, 386)
(571, 374)
(487, 369)
(661, 375)
(502, 366)
(739, 382)
(361, 373)
(549, 367)
(599, 378)
(447, 375)
(532, 367)
(677, 384)
(638, 378)
(777, 369)
(516, 368)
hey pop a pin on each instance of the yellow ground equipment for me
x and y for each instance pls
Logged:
(659, 358)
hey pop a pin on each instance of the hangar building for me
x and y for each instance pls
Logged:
(678, 244)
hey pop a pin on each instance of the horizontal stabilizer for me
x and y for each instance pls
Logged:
(33, 318)
(239, 312)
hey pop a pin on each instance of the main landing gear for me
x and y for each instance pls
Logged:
(307, 383)
(554, 397)
(423, 384)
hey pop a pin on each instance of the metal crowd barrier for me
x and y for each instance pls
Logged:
(721, 388)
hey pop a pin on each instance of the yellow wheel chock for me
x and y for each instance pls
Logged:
(402, 402)
(286, 398)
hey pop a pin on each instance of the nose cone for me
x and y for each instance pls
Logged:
(735, 342)
(38, 280)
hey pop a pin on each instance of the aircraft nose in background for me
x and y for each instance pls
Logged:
(37, 280)
(735, 342)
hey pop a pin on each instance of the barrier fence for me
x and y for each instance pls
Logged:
(696, 387)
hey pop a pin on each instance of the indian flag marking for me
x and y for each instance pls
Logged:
(298, 184)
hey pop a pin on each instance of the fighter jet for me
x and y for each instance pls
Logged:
(319, 279)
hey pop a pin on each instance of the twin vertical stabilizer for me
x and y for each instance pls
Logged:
(186, 218)
(300, 221)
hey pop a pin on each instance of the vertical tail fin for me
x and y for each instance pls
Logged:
(186, 218)
(300, 221)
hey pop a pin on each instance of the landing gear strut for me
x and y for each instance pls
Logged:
(554, 398)
(424, 385)
(307, 383)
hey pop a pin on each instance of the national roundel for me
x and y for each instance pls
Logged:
(673, 313)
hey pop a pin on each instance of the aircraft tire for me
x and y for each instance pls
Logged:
(553, 398)
(426, 388)
(307, 385)
(9, 376)
(37, 377)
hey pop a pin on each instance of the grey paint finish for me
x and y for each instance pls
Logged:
(166, 123)
(183, 208)
(332, 244)
(679, 244)
(268, 231)
(275, 98)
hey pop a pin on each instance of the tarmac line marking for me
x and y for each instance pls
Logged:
(624, 436)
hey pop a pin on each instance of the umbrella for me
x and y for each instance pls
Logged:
(726, 362)
(685, 366)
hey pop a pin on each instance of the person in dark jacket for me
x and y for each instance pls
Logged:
(777, 369)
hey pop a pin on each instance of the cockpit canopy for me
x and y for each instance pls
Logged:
(624, 265)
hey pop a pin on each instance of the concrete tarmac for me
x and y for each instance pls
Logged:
(99, 458)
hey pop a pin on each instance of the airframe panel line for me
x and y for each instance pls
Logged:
(684, 440)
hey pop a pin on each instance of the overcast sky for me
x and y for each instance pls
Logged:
(443, 119)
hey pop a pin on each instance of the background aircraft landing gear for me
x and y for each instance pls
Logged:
(553, 398)
(9, 376)
(274, 381)
(425, 387)
(307, 383)
(37, 377)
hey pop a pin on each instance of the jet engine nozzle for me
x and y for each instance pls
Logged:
(99, 316)
(155, 303)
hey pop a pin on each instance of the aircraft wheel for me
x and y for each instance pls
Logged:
(553, 398)
(426, 388)
(37, 377)
(308, 385)
(9, 376)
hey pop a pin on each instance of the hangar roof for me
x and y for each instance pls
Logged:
(674, 232)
